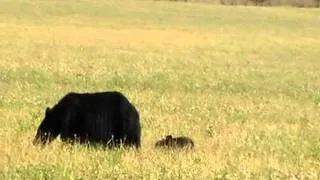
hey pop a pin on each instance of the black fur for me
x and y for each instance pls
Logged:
(106, 118)
(175, 142)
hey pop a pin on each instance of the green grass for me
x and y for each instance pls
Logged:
(243, 82)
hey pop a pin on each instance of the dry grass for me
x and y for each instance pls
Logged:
(244, 85)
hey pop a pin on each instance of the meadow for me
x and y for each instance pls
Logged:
(243, 82)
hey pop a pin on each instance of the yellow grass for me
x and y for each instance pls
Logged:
(243, 82)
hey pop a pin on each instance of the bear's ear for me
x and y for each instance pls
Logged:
(47, 110)
(169, 137)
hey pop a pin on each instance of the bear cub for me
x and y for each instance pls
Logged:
(169, 141)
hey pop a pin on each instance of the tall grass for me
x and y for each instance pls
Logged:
(243, 82)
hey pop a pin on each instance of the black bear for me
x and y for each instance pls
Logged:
(175, 142)
(106, 118)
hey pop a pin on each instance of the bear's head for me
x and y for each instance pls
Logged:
(49, 128)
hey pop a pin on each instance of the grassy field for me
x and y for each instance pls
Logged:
(243, 82)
